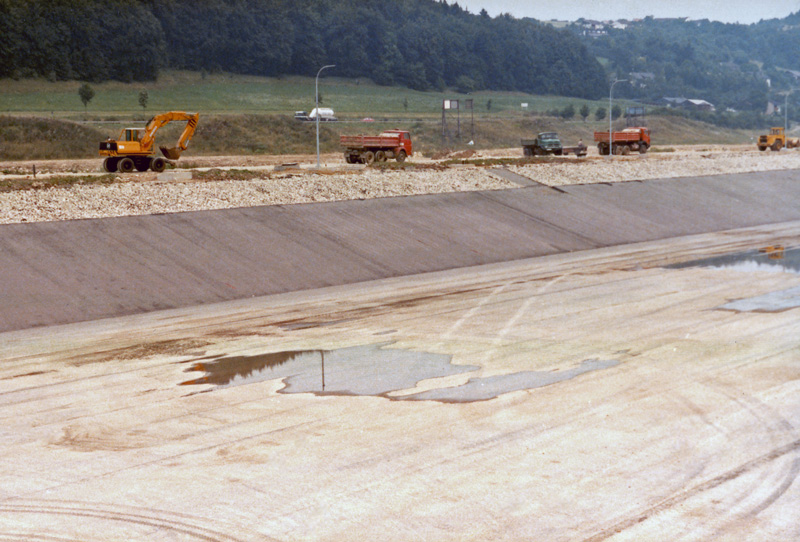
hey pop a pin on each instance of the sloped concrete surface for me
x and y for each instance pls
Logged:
(61, 272)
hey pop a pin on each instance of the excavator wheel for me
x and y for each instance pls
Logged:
(777, 145)
(158, 165)
(125, 165)
(110, 164)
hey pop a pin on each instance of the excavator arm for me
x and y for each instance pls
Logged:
(173, 153)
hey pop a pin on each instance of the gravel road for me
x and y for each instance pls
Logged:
(146, 193)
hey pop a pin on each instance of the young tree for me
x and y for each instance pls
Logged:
(616, 111)
(600, 114)
(568, 112)
(489, 105)
(405, 104)
(584, 112)
(86, 93)
(143, 97)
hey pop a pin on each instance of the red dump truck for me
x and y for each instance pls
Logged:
(362, 149)
(624, 142)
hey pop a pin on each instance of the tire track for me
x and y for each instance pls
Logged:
(775, 425)
(182, 524)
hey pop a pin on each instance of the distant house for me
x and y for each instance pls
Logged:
(593, 29)
(692, 104)
(699, 105)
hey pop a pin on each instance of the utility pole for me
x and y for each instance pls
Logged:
(316, 102)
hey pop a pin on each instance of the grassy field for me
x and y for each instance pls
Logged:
(241, 94)
(253, 115)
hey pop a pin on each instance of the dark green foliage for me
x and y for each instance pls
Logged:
(421, 44)
(728, 65)
(79, 39)
(86, 92)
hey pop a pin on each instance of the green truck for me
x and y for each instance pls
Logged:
(549, 143)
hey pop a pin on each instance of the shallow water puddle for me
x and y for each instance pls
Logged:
(775, 258)
(371, 370)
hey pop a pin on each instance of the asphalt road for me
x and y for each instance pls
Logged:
(593, 395)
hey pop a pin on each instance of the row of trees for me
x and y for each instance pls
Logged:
(422, 44)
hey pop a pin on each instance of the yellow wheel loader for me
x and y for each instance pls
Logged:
(134, 148)
(776, 139)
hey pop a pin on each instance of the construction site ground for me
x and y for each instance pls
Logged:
(531, 361)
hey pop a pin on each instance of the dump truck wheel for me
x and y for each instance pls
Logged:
(125, 165)
(602, 148)
(643, 148)
(158, 165)
(401, 156)
(368, 157)
(626, 150)
(110, 164)
(526, 151)
(380, 156)
(347, 158)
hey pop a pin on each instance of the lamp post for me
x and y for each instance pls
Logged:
(610, 116)
(316, 103)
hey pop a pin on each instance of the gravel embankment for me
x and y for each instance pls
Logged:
(144, 195)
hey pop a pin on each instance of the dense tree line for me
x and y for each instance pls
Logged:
(731, 65)
(422, 44)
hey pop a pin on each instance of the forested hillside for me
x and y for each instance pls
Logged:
(731, 65)
(422, 44)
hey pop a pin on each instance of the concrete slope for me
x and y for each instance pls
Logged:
(61, 272)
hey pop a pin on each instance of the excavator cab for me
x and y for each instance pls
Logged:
(130, 134)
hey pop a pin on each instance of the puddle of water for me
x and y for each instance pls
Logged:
(782, 300)
(774, 258)
(360, 370)
(372, 370)
(485, 388)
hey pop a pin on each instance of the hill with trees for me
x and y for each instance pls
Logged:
(734, 66)
(421, 44)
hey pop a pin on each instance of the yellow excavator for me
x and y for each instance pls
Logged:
(134, 148)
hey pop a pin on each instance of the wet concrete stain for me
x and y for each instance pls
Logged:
(372, 370)
(485, 388)
(774, 258)
(782, 300)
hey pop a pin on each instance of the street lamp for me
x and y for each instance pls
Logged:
(786, 110)
(610, 101)
(316, 102)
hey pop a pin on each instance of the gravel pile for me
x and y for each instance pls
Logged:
(137, 198)
(143, 195)
(658, 166)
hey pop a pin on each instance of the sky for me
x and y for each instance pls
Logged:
(727, 11)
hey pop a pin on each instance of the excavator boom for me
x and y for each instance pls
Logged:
(173, 153)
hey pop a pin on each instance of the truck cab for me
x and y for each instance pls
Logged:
(545, 143)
